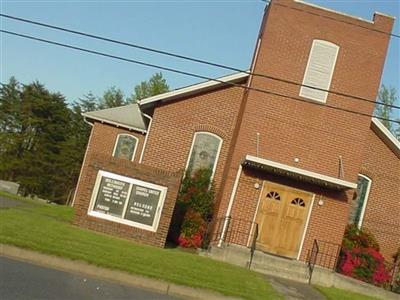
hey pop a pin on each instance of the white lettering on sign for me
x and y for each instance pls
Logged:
(102, 207)
(154, 192)
(142, 194)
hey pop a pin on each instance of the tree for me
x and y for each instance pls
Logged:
(34, 124)
(112, 97)
(387, 95)
(89, 102)
(154, 86)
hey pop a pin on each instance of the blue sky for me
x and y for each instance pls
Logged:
(219, 31)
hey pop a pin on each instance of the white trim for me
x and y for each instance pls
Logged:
(303, 172)
(254, 61)
(102, 120)
(83, 164)
(147, 136)
(334, 11)
(387, 137)
(131, 181)
(126, 134)
(193, 88)
(306, 227)
(365, 200)
(217, 155)
(310, 56)
(228, 211)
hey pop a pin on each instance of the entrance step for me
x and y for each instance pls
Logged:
(262, 262)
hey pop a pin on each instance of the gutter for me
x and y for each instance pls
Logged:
(147, 136)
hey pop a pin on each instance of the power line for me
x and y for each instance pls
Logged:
(191, 59)
(188, 74)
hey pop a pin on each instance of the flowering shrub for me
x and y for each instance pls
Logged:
(354, 237)
(195, 202)
(192, 230)
(360, 257)
(396, 283)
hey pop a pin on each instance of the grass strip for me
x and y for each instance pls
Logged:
(47, 228)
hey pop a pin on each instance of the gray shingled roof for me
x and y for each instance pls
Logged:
(128, 116)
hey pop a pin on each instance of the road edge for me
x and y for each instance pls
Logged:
(82, 267)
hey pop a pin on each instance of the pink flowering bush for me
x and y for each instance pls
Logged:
(361, 259)
(195, 201)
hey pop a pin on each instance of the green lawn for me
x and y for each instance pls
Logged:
(338, 294)
(47, 228)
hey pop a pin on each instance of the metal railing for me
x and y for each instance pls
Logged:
(253, 244)
(312, 258)
(228, 230)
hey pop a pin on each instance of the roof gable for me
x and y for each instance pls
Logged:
(193, 89)
(127, 116)
(386, 136)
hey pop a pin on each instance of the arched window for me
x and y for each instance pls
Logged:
(204, 151)
(359, 204)
(319, 70)
(125, 146)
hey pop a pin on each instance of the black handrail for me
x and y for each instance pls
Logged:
(312, 259)
(253, 244)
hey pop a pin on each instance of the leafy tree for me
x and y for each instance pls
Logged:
(43, 140)
(36, 122)
(112, 97)
(387, 95)
(89, 102)
(154, 86)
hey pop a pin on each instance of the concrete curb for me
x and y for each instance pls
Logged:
(121, 277)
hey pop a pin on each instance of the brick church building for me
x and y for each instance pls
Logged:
(292, 160)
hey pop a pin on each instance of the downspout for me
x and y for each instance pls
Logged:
(84, 160)
(147, 136)
(228, 211)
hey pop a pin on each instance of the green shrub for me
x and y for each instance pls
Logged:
(195, 202)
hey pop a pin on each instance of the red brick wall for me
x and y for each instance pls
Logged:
(99, 157)
(104, 137)
(315, 134)
(102, 140)
(104, 162)
(323, 219)
(382, 214)
(175, 123)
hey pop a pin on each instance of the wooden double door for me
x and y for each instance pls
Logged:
(281, 218)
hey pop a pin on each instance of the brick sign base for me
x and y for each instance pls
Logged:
(99, 162)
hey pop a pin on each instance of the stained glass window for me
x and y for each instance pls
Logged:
(358, 204)
(205, 150)
(125, 146)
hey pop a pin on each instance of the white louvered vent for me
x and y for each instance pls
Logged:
(319, 70)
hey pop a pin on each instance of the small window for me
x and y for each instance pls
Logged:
(274, 196)
(319, 70)
(298, 202)
(204, 152)
(125, 146)
(359, 204)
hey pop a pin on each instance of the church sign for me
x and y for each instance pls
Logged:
(127, 200)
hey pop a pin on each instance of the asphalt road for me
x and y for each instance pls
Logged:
(21, 280)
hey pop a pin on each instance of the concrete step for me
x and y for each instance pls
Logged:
(262, 262)
(282, 263)
(276, 270)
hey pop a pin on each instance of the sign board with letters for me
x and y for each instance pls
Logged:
(127, 200)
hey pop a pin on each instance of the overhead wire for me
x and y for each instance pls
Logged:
(214, 64)
(189, 74)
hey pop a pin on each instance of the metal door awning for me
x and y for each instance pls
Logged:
(297, 173)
